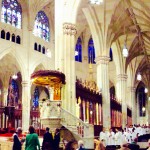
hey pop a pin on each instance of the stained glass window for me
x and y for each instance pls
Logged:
(78, 50)
(91, 51)
(36, 97)
(142, 100)
(13, 93)
(11, 13)
(41, 26)
(111, 54)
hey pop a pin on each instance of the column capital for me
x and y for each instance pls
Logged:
(102, 59)
(122, 77)
(69, 28)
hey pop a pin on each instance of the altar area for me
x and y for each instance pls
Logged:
(46, 114)
(49, 108)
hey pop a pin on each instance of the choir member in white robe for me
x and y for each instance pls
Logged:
(134, 135)
(118, 137)
(129, 137)
(111, 137)
(139, 130)
(103, 137)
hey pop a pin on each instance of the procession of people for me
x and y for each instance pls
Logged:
(119, 136)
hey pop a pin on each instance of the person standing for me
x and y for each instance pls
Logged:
(118, 137)
(17, 144)
(111, 137)
(103, 137)
(32, 140)
(80, 145)
(47, 140)
(56, 139)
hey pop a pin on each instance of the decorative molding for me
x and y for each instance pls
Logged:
(122, 77)
(25, 84)
(69, 28)
(102, 60)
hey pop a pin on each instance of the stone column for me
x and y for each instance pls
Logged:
(25, 105)
(121, 95)
(5, 94)
(103, 84)
(69, 31)
(138, 110)
(134, 105)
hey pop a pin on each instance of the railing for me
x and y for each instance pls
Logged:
(75, 124)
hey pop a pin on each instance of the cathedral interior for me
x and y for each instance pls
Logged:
(77, 64)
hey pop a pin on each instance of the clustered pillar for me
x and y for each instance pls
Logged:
(134, 105)
(121, 92)
(25, 105)
(69, 31)
(103, 84)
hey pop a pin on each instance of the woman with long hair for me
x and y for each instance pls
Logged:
(32, 140)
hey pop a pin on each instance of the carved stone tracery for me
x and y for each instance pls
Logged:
(69, 28)
(122, 77)
(102, 60)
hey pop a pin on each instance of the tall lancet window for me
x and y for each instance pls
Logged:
(13, 93)
(11, 13)
(41, 26)
(36, 98)
(111, 54)
(78, 50)
(91, 51)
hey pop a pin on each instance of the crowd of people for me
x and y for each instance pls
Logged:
(120, 137)
(50, 142)
(32, 140)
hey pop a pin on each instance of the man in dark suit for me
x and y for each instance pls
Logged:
(56, 139)
(47, 140)
(16, 141)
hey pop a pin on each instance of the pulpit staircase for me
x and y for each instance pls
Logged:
(78, 128)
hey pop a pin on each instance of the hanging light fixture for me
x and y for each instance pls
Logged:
(146, 90)
(97, 2)
(125, 51)
(139, 77)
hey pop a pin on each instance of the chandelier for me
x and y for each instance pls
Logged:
(97, 2)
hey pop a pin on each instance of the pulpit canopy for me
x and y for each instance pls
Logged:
(48, 77)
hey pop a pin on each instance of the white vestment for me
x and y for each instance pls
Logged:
(111, 138)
